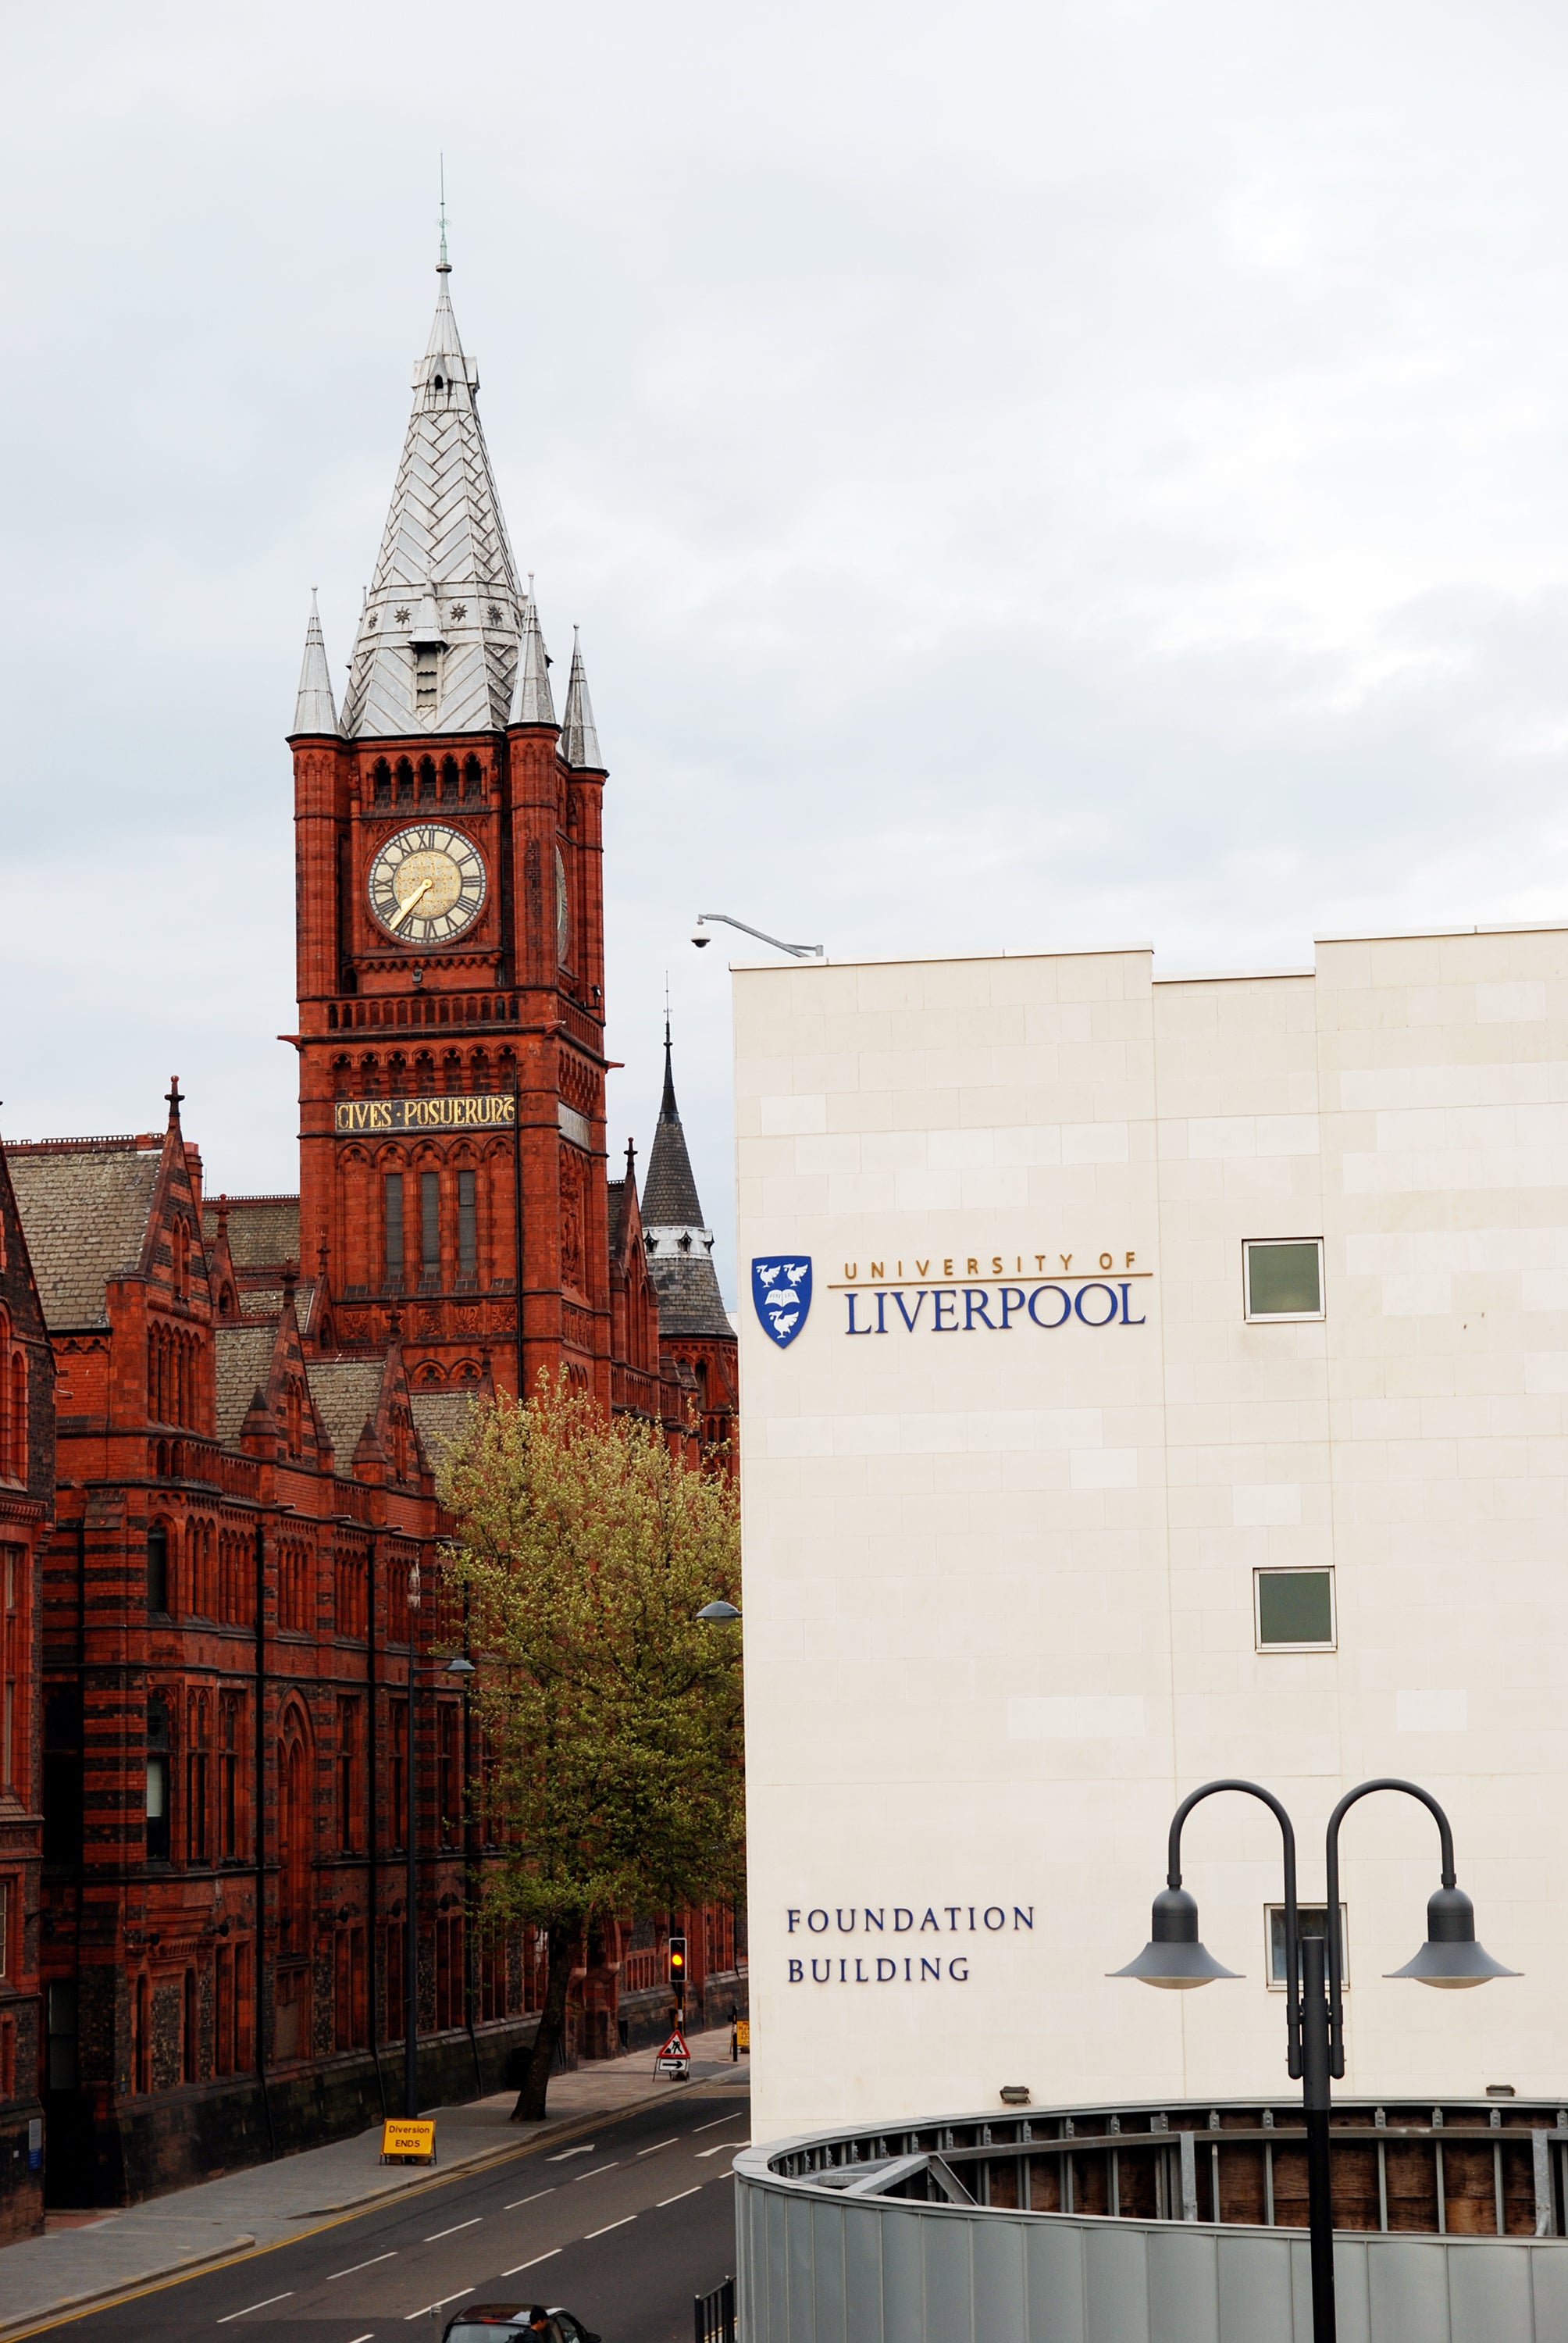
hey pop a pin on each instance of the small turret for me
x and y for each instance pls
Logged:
(532, 702)
(315, 710)
(579, 735)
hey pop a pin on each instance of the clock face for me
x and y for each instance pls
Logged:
(427, 884)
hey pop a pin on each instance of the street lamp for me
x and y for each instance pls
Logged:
(701, 936)
(462, 1669)
(1176, 1960)
(719, 1614)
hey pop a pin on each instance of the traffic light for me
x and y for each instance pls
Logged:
(677, 1964)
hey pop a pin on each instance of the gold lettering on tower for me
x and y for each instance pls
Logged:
(482, 1111)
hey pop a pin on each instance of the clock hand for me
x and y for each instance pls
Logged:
(423, 889)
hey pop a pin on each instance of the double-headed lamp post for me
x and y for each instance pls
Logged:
(462, 1669)
(1175, 1959)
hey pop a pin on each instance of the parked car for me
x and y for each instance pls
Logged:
(500, 2322)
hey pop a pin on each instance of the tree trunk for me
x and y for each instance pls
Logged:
(562, 1960)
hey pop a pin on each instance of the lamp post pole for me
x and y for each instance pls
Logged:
(1175, 1959)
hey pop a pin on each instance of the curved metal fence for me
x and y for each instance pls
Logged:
(1159, 2225)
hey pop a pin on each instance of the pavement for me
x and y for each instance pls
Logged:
(81, 2261)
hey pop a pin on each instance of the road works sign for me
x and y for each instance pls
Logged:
(674, 2058)
(409, 2139)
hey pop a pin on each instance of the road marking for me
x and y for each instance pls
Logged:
(710, 2127)
(453, 2230)
(609, 2225)
(527, 2200)
(366, 2338)
(585, 2149)
(719, 2146)
(595, 2169)
(674, 2200)
(427, 2308)
(359, 2266)
(255, 2305)
(537, 2259)
(658, 2144)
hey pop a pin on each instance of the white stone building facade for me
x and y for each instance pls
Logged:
(1058, 1501)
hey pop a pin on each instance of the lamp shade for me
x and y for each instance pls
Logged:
(1451, 1957)
(718, 1613)
(1173, 1958)
(460, 1666)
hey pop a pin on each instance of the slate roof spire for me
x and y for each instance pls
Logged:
(531, 700)
(579, 734)
(444, 557)
(315, 710)
(679, 1246)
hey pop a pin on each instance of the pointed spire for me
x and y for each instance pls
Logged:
(679, 1246)
(445, 573)
(579, 735)
(315, 710)
(667, 1110)
(176, 1097)
(532, 702)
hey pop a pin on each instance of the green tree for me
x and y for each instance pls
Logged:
(612, 1715)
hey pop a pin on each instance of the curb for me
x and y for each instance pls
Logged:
(488, 2155)
(182, 2262)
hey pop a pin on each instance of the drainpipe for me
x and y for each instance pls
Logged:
(262, 1997)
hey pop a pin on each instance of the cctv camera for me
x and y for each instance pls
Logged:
(700, 936)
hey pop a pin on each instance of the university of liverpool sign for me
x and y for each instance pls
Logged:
(480, 1111)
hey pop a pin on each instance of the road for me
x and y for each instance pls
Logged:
(622, 2225)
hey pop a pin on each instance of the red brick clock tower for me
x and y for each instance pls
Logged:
(451, 945)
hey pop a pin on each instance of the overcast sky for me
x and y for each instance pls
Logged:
(1028, 475)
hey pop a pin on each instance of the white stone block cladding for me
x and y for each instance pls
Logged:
(999, 1587)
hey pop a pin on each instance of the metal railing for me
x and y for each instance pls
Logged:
(713, 2314)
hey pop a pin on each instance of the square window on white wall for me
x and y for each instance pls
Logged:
(1282, 1278)
(1293, 1610)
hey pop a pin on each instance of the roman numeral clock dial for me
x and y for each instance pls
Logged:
(427, 884)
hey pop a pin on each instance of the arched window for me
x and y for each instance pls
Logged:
(427, 779)
(293, 1828)
(158, 1568)
(381, 782)
(473, 778)
(449, 780)
(405, 781)
(198, 1754)
(14, 1417)
(157, 1779)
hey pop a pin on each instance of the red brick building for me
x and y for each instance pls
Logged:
(252, 1391)
(26, 1505)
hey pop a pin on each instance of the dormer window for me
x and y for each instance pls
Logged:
(426, 674)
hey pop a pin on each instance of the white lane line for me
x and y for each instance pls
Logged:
(609, 2225)
(367, 2337)
(711, 2126)
(719, 2147)
(595, 2169)
(453, 2230)
(518, 2266)
(674, 2200)
(658, 2144)
(427, 2308)
(527, 2200)
(255, 2305)
(359, 2266)
(586, 2149)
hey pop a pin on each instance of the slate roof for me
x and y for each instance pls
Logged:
(441, 1416)
(263, 1231)
(690, 1300)
(347, 1392)
(243, 1359)
(84, 1211)
(669, 1197)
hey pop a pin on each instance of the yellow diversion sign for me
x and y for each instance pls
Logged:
(406, 2139)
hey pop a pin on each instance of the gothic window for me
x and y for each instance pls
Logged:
(294, 1416)
(405, 781)
(563, 919)
(229, 1846)
(473, 778)
(63, 1776)
(198, 1736)
(424, 1072)
(397, 1830)
(350, 1776)
(450, 780)
(426, 676)
(293, 1828)
(13, 1658)
(429, 1228)
(392, 1187)
(426, 781)
(467, 1225)
(158, 1798)
(381, 782)
(351, 1591)
(158, 1568)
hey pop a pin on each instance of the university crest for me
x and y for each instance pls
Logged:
(781, 1290)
